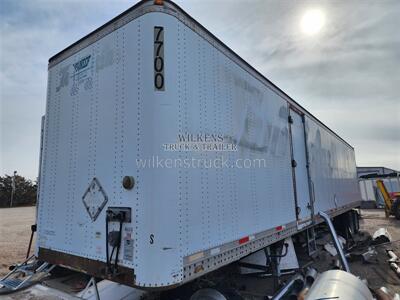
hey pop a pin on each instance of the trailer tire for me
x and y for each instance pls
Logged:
(396, 208)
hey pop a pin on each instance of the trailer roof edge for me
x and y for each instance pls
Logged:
(151, 3)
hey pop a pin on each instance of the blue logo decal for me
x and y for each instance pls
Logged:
(83, 63)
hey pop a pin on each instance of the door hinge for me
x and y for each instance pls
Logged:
(298, 210)
(290, 119)
(294, 163)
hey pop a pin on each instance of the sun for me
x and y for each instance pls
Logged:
(312, 21)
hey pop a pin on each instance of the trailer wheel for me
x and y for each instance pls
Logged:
(396, 208)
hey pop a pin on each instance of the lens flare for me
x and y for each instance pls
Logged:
(312, 21)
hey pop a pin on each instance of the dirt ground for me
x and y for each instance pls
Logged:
(373, 219)
(377, 271)
(15, 231)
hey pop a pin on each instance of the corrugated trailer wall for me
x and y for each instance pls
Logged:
(106, 110)
(221, 98)
(332, 169)
(193, 210)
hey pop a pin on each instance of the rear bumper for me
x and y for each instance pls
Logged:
(88, 266)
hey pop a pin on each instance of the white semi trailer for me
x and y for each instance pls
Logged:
(136, 112)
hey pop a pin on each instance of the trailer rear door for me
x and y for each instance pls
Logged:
(300, 170)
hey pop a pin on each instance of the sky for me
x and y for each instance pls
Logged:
(347, 74)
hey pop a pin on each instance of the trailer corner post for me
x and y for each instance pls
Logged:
(336, 242)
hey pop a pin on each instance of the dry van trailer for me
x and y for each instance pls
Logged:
(151, 86)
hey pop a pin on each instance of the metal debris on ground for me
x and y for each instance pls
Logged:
(383, 294)
(337, 284)
(336, 264)
(393, 262)
(370, 256)
(393, 256)
(395, 268)
(381, 236)
(295, 284)
(330, 248)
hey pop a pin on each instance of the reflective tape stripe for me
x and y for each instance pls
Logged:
(244, 240)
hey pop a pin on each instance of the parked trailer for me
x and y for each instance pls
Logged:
(151, 85)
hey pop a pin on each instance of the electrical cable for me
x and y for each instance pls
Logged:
(112, 253)
(119, 243)
(280, 255)
(117, 246)
(107, 251)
